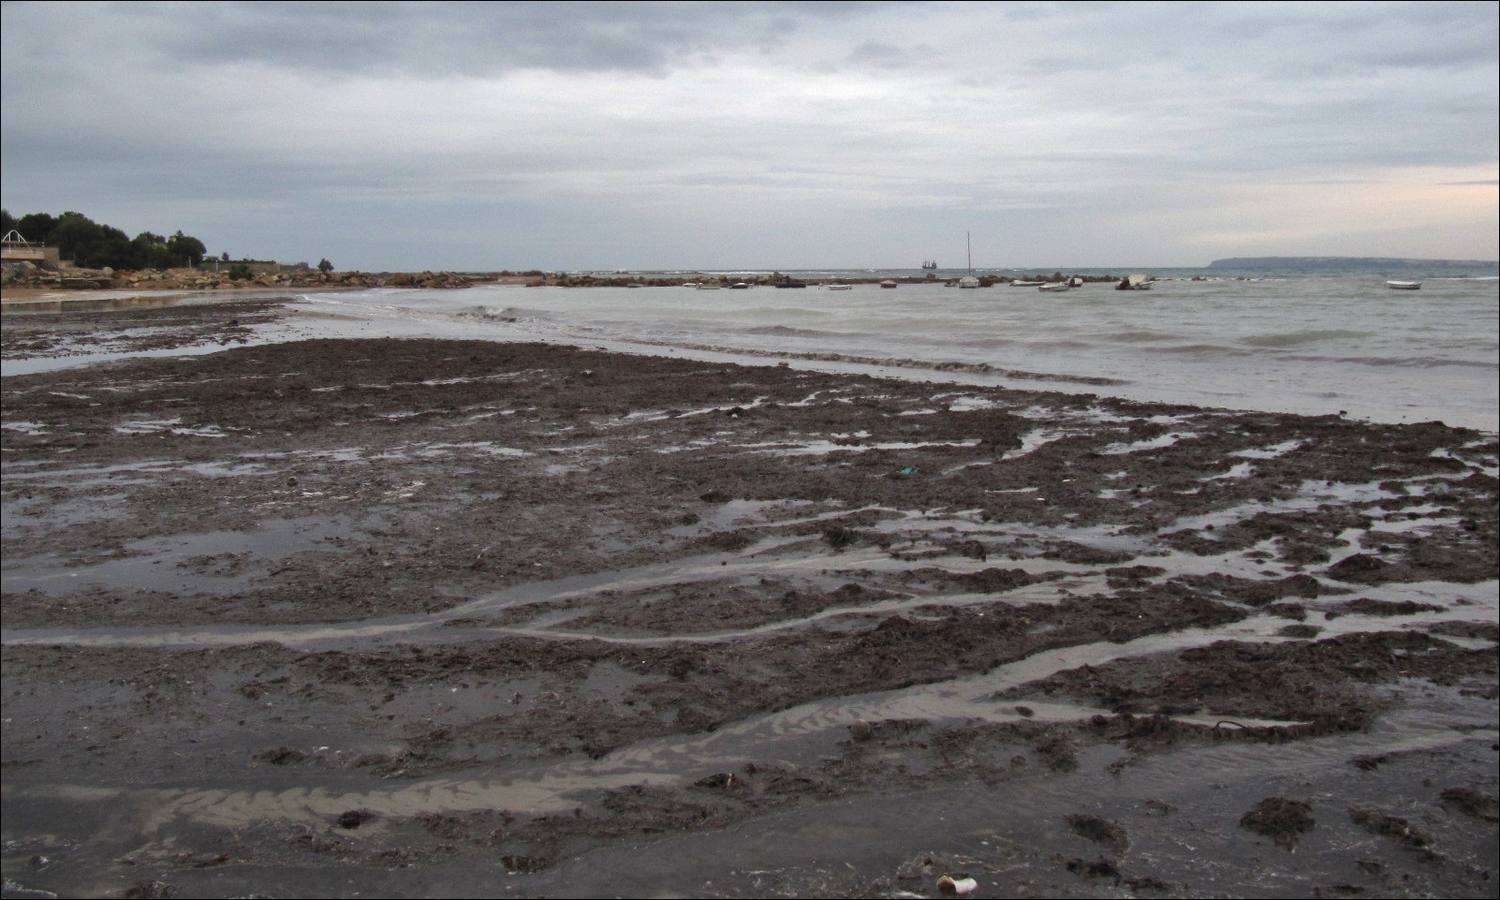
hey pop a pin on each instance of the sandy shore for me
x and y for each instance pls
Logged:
(460, 618)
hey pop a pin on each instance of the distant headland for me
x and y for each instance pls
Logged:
(1345, 262)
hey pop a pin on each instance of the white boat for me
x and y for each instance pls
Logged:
(1053, 287)
(969, 281)
(1075, 281)
(841, 287)
(1404, 285)
(888, 283)
(1027, 283)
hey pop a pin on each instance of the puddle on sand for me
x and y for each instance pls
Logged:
(181, 563)
(47, 515)
(92, 476)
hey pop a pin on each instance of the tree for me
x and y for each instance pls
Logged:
(74, 234)
(325, 266)
(95, 245)
(36, 227)
(185, 249)
(90, 244)
(151, 251)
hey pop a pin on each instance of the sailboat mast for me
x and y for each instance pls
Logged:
(968, 245)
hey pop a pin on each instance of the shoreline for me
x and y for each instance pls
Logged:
(62, 346)
(528, 619)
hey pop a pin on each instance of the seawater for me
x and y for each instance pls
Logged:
(1313, 344)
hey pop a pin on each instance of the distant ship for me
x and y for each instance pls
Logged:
(929, 264)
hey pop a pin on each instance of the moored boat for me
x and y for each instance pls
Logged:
(969, 281)
(841, 287)
(1053, 287)
(888, 283)
(1404, 285)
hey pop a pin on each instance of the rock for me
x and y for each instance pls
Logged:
(1279, 819)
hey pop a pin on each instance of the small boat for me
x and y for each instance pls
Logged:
(1027, 283)
(709, 286)
(969, 281)
(1404, 285)
(691, 284)
(1054, 287)
(1075, 281)
(888, 284)
(841, 287)
(740, 286)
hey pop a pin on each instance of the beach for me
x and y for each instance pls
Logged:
(435, 616)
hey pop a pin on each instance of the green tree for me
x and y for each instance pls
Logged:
(36, 227)
(95, 245)
(90, 244)
(325, 266)
(186, 250)
(151, 251)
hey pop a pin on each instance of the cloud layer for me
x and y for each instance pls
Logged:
(761, 135)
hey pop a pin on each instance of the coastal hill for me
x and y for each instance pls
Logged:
(1344, 262)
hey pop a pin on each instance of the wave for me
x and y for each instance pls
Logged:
(1412, 362)
(1204, 350)
(781, 312)
(1141, 337)
(788, 331)
(500, 313)
(1294, 338)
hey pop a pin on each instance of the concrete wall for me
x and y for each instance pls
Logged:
(15, 254)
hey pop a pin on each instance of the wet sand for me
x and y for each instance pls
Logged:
(441, 617)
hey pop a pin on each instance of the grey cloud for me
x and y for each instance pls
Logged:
(472, 39)
(792, 112)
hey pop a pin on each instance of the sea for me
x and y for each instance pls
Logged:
(1315, 341)
(1321, 342)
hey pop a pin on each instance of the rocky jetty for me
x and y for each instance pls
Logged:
(207, 280)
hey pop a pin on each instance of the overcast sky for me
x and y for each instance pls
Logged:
(602, 136)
